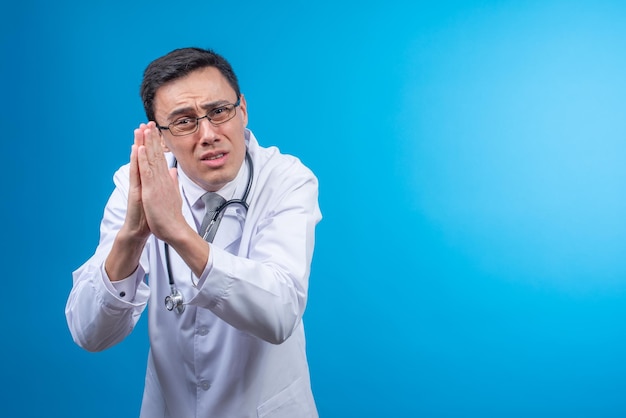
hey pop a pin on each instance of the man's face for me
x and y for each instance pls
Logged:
(212, 155)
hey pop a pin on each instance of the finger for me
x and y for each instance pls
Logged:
(174, 176)
(151, 137)
(139, 134)
(144, 155)
(157, 139)
(134, 164)
(152, 142)
(134, 168)
(143, 163)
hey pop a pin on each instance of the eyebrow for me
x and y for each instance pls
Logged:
(187, 110)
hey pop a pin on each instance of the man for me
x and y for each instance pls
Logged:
(227, 293)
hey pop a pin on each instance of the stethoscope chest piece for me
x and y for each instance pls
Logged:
(175, 301)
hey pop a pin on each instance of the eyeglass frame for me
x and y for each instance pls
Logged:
(235, 106)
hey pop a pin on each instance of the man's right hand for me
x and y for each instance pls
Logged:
(130, 240)
(136, 224)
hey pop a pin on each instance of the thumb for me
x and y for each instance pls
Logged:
(174, 175)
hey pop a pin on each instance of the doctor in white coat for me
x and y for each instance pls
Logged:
(234, 346)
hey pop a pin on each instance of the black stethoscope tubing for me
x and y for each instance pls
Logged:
(175, 299)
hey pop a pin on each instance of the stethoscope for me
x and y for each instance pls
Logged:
(175, 300)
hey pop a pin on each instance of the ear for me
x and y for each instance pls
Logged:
(243, 108)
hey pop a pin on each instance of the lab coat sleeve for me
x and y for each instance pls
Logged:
(97, 316)
(264, 291)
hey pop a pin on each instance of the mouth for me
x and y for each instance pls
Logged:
(214, 160)
(213, 157)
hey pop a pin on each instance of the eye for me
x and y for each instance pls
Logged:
(182, 122)
(218, 111)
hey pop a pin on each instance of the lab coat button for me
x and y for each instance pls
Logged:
(203, 331)
(205, 385)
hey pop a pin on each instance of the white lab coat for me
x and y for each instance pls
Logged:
(238, 349)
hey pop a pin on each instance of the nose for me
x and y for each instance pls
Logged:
(208, 131)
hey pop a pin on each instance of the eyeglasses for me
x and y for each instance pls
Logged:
(188, 125)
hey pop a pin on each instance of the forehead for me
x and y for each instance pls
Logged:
(204, 85)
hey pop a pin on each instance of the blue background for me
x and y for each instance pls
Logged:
(470, 262)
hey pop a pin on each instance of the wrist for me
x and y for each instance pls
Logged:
(124, 256)
(132, 237)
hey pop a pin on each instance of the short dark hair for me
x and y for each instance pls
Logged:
(177, 64)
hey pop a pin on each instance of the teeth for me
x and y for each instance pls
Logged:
(216, 157)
